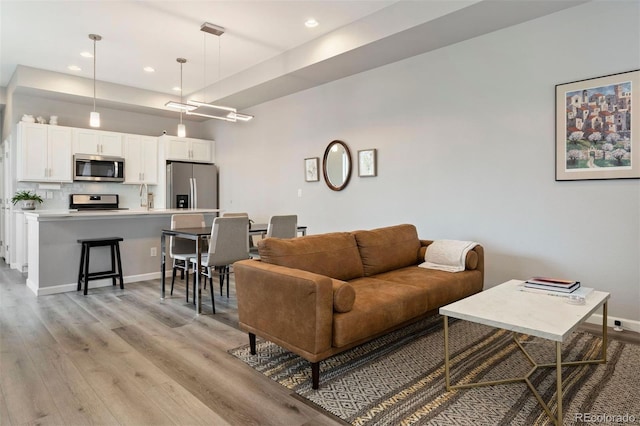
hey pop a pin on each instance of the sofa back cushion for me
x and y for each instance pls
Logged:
(386, 249)
(334, 255)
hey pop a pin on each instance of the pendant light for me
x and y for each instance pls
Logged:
(204, 109)
(94, 117)
(182, 131)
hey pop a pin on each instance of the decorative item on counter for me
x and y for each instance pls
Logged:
(28, 118)
(40, 119)
(53, 120)
(27, 198)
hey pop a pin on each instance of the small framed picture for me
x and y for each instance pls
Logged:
(367, 163)
(311, 169)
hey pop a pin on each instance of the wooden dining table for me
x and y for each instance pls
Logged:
(197, 235)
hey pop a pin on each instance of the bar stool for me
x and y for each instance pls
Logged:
(87, 243)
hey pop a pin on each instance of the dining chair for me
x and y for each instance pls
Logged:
(182, 249)
(280, 226)
(230, 214)
(229, 242)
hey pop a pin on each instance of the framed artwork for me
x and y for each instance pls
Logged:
(367, 163)
(598, 128)
(311, 169)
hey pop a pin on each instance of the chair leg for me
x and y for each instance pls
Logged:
(213, 301)
(82, 254)
(221, 278)
(113, 263)
(228, 268)
(186, 283)
(173, 279)
(86, 271)
(119, 266)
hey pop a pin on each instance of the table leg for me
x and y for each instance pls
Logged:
(162, 263)
(604, 332)
(446, 352)
(198, 296)
(559, 382)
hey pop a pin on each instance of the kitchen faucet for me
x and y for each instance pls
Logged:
(147, 200)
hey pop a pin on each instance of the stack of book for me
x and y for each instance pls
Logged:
(552, 284)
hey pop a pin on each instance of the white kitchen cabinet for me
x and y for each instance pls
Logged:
(44, 153)
(97, 142)
(188, 149)
(19, 260)
(140, 159)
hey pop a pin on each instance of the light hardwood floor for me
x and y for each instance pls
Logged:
(123, 357)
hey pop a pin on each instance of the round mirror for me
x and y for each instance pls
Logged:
(336, 165)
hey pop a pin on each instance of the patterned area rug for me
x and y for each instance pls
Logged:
(398, 379)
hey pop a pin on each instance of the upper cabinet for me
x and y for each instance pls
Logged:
(97, 142)
(188, 149)
(140, 159)
(44, 153)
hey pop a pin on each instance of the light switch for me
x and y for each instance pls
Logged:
(299, 192)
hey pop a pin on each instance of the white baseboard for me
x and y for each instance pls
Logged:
(65, 288)
(627, 324)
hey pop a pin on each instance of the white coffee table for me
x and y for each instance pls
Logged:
(541, 315)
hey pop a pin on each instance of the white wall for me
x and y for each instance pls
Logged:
(465, 139)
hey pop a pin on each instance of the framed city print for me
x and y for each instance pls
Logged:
(311, 169)
(598, 128)
(367, 163)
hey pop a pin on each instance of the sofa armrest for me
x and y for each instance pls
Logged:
(291, 307)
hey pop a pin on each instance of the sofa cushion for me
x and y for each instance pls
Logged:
(334, 255)
(379, 305)
(389, 248)
(343, 296)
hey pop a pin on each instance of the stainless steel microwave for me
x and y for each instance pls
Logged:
(98, 168)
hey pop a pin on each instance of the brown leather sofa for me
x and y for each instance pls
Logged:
(319, 295)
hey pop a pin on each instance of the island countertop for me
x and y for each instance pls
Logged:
(53, 251)
(71, 214)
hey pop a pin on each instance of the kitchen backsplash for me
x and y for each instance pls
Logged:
(58, 199)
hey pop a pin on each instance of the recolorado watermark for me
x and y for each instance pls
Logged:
(605, 418)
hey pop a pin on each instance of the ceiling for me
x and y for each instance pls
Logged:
(50, 35)
(266, 51)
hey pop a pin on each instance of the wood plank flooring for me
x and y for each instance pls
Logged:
(123, 357)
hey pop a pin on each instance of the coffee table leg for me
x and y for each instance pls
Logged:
(559, 381)
(446, 352)
(604, 333)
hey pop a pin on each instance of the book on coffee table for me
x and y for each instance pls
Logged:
(580, 292)
(559, 289)
(552, 282)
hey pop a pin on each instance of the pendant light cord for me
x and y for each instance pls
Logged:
(180, 91)
(94, 74)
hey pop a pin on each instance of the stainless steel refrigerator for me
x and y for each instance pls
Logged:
(192, 185)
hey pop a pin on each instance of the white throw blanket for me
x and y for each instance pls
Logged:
(447, 255)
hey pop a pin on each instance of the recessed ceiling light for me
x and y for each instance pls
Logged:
(177, 88)
(149, 69)
(86, 54)
(311, 23)
(74, 68)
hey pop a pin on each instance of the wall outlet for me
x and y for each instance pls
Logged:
(154, 251)
(617, 325)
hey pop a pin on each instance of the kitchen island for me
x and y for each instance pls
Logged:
(53, 253)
